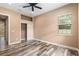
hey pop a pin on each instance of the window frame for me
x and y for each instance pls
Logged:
(65, 34)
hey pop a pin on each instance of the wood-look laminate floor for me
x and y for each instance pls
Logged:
(37, 48)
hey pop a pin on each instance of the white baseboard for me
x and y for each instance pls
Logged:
(59, 45)
(14, 42)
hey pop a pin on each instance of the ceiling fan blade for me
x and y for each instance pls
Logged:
(38, 7)
(32, 8)
(26, 6)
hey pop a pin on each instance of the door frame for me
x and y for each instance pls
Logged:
(8, 25)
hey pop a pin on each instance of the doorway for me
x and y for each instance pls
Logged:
(3, 32)
(23, 32)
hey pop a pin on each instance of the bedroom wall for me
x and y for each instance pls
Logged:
(14, 25)
(46, 26)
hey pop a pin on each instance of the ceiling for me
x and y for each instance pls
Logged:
(46, 7)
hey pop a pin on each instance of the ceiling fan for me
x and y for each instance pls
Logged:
(32, 5)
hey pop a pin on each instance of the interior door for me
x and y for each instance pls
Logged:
(23, 32)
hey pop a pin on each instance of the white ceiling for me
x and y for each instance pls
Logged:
(46, 7)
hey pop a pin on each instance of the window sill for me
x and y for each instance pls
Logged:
(64, 34)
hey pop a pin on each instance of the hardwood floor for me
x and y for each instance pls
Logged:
(37, 48)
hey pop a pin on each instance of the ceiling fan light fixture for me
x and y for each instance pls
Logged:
(32, 11)
(32, 5)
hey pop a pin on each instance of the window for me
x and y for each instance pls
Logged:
(64, 25)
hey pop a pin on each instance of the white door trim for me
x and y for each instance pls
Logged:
(8, 27)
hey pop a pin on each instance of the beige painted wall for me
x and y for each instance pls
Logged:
(14, 24)
(46, 26)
